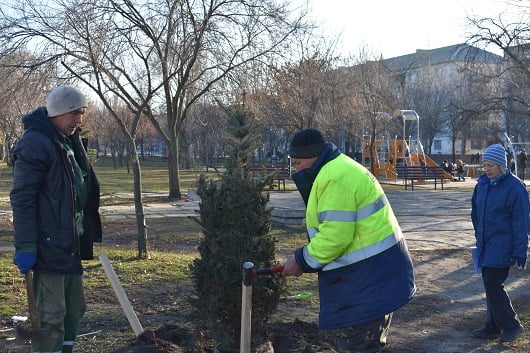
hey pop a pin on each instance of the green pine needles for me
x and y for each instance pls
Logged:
(236, 224)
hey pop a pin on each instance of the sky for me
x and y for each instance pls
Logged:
(398, 27)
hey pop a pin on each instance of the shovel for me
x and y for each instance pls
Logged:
(299, 296)
(35, 332)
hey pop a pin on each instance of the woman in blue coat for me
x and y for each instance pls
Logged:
(500, 215)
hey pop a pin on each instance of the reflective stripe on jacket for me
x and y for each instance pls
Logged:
(356, 245)
(348, 216)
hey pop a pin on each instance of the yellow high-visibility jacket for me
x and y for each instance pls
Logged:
(355, 244)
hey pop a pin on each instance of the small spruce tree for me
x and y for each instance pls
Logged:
(236, 224)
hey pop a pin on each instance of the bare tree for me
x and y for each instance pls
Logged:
(85, 45)
(20, 93)
(509, 33)
(198, 44)
(204, 134)
(374, 98)
(147, 138)
(430, 96)
(340, 114)
(165, 54)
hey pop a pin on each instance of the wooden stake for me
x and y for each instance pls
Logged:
(246, 308)
(122, 297)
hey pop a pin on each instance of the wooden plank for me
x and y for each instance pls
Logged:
(122, 297)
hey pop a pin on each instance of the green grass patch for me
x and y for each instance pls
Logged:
(6, 237)
(162, 266)
(12, 288)
(170, 255)
(155, 178)
(6, 175)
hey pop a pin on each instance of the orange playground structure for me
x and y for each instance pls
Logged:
(381, 156)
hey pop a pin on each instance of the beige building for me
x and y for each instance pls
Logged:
(452, 89)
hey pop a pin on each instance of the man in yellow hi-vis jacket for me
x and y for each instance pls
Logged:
(355, 244)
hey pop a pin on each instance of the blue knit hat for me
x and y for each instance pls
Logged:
(495, 154)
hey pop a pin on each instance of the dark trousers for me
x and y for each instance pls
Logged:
(60, 302)
(500, 313)
(369, 337)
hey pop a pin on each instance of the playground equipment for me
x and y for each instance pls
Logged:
(513, 149)
(382, 155)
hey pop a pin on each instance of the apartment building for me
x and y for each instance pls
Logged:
(451, 79)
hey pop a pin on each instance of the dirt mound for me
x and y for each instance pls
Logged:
(168, 339)
(294, 337)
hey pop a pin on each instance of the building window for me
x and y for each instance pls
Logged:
(476, 144)
(437, 144)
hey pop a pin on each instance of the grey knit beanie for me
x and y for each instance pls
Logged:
(495, 154)
(65, 99)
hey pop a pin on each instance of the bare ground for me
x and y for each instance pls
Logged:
(448, 305)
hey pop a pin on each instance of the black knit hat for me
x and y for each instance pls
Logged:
(306, 144)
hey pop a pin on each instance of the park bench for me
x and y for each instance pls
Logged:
(415, 173)
(279, 174)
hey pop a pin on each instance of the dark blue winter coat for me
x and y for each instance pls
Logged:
(500, 215)
(43, 198)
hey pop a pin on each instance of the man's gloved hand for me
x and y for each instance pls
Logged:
(25, 261)
(520, 262)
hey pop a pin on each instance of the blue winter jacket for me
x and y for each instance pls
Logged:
(500, 215)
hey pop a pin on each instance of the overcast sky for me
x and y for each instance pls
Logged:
(398, 27)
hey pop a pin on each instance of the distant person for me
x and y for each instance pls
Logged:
(55, 201)
(447, 167)
(500, 211)
(522, 160)
(355, 245)
(460, 170)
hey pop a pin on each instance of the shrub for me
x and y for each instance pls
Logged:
(236, 224)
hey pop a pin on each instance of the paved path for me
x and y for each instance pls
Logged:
(430, 219)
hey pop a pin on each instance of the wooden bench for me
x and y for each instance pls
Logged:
(414, 173)
(278, 175)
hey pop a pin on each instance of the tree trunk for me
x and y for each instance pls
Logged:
(173, 168)
(139, 208)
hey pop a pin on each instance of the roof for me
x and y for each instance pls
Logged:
(453, 53)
